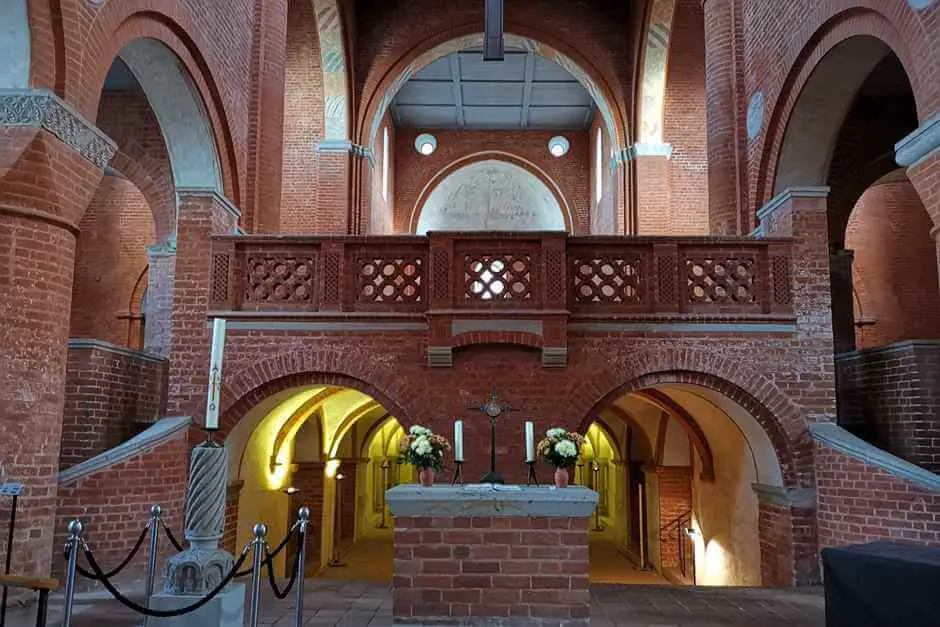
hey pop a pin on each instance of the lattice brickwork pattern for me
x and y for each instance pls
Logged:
(607, 280)
(721, 280)
(497, 277)
(220, 272)
(288, 279)
(395, 280)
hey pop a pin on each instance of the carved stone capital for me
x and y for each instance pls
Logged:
(40, 108)
(196, 572)
(346, 146)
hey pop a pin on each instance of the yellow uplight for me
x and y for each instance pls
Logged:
(332, 466)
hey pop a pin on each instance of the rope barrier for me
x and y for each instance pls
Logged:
(127, 560)
(269, 557)
(140, 609)
(280, 594)
(169, 534)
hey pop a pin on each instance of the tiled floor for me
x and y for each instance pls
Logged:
(369, 604)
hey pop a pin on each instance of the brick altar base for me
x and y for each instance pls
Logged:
(502, 569)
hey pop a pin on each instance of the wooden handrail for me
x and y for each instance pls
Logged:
(29, 583)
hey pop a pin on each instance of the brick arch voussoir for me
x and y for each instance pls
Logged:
(476, 338)
(248, 387)
(157, 188)
(171, 23)
(858, 21)
(777, 414)
(383, 78)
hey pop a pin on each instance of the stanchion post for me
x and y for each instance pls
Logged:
(259, 531)
(75, 539)
(155, 521)
(303, 515)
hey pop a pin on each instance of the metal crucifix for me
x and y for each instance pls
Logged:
(493, 410)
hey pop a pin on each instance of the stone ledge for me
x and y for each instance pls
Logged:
(161, 431)
(904, 346)
(919, 144)
(841, 440)
(483, 500)
(108, 347)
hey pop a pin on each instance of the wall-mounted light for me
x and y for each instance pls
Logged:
(340, 477)
(693, 534)
(291, 491)
(426, 144)
(558, 146)
(332, 466)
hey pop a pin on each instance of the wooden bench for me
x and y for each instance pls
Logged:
(42, 585)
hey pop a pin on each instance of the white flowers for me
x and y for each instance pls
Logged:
(556, 433)
(566, 448)
(421, 445)
(419, 432)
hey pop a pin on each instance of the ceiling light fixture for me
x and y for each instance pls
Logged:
(426, 144)
(558, 146)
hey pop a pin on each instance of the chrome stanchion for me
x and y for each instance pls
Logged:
(259, 531)
(304, 519)
(155, 522)
(75, 539)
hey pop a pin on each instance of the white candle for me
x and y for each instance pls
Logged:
(215, 374)
(458, 441)
(529, 442)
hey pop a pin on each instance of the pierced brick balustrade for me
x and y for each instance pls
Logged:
(521, 288)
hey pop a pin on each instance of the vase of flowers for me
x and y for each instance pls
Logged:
(425, 450)
(561, 448)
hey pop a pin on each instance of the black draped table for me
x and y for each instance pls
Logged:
(883, 584)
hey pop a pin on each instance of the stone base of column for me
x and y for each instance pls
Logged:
(226, 609)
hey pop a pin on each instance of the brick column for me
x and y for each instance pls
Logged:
(788, 542)
(340, 164)
(654, 209)
(720, 93)
(201, 214)
(675, 500)
(843, 301)
(158, 307)
(919, 152)
(52, 161)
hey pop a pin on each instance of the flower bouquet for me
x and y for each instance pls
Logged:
(561, 448)
(425, 450)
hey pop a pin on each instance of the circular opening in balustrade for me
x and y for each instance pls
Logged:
(426, 144)
(558, 146)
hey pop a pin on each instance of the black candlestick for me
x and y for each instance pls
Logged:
(457, 480)
(532, 478)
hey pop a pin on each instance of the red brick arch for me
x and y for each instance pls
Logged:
(148, 175)
(248, 387)
(386, 76)
(168, 21)
(905, 40)
(780, 418)
(491, 155)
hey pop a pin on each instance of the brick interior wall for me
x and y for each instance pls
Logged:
(602, 214)
(526, 568)
(382, 209)
(684, 122)
(114, 504)
(348, 514)
(111, 257)
(230, 534)
(675, 501)
(308, 479)
(572, 173)
(110, 396)
(894, 274)
(861, 503)
(303, 120)
(891, 397)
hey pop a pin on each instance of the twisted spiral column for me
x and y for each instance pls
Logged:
(205, 496)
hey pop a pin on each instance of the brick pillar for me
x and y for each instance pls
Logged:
(158, 307)
(51, 163)
(723, 211)
(201, 214)
(843, 302)
(788, 542)
(308, 479)
(654, 209)
(800, 213)
(919, 152)
(341, 166)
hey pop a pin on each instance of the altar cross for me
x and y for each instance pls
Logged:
(493, 409)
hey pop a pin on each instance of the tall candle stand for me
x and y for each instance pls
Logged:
(457, 479)
(384, 467)
(533, 480)
(595, 469)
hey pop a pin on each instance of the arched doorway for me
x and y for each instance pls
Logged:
(683, 504)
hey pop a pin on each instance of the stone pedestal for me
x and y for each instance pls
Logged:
(227, 608)
(477, 555)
